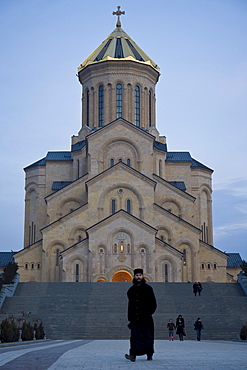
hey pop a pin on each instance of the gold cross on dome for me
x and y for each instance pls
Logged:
(118, 13)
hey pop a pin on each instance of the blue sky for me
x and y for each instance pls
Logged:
(201, 48)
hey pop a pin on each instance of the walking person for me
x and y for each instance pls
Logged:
(199, 288)
(141, 307)
(171, 327)
(180, 327)
(198, 326)
(195, 288)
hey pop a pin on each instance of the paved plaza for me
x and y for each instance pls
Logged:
(109, 355)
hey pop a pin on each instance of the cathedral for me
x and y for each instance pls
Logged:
(119, 199)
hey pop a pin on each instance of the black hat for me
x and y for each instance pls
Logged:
(138, 271)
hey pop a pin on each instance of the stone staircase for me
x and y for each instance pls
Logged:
(98, 310)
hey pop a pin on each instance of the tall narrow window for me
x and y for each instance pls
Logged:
(128, 205)
(87, 103)
(150, 108)
(166, 273)
(184, 257)
(119, 97)
(111, 162)
(137, 106)
(101, 105)
(128, 162)
(77, 273)
(113, 206)
(78, 168)
(57, 257)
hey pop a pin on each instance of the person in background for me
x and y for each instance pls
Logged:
(199, 288)
(171, 327)
(198, 326)
(195, 288)
(180, 327)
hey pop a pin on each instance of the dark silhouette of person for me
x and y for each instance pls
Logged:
(180, 327)
(198, 326)
(199, 288)
(195, 288)
(141, 307)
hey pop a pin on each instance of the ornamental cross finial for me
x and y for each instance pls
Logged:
(118, 13)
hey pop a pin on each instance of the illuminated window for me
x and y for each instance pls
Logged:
(121, 247)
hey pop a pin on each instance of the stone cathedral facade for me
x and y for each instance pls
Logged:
(119, 199)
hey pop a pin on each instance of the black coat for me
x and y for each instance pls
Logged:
(142, 303)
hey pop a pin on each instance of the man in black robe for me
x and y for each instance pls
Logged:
(142, 305)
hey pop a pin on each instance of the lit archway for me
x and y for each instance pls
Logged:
(122, 277)
(101, 280)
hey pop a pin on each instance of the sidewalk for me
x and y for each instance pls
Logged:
(109, 355)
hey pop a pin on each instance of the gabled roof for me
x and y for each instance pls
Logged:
(234, 260)
(124, 213)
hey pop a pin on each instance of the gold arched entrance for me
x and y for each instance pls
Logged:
(122, 277)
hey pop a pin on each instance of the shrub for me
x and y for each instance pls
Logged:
(9, 272)
(243, 332)
(10, 328)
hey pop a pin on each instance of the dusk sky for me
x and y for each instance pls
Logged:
(201, 49)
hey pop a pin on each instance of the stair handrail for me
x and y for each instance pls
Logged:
(8, 290)
(242, 280)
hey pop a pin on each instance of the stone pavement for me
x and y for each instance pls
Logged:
(109, 354)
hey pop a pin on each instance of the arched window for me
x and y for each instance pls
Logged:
(128, 205)
(77, 273)
(115, 248)
(122, 247)
(160, 168)
(112, 162)
(150, 108)
(87, 104)
(166, 273)
(128, 162)
(137, 106)
(101, 105)
(113, 206)
(184, 257)
(128, 248)
(119, 98)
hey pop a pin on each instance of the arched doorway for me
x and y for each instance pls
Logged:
(122, 277)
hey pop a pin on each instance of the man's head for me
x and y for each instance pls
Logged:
(138, 275)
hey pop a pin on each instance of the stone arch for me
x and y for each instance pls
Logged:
(101, 258)
(119, 147)
(67, 205)
(173, 206)
(76, 232)
(122, 276)
(109, 189)
(172, 268)
(142, 258)
(70, 268)
(127, 239)
(164, 231)
(115, 269)
(188, 260)
(54, 262)
(205, 213)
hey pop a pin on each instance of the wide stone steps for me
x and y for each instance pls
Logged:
(99, 310)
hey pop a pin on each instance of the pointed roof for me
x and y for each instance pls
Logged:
(118, 46)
